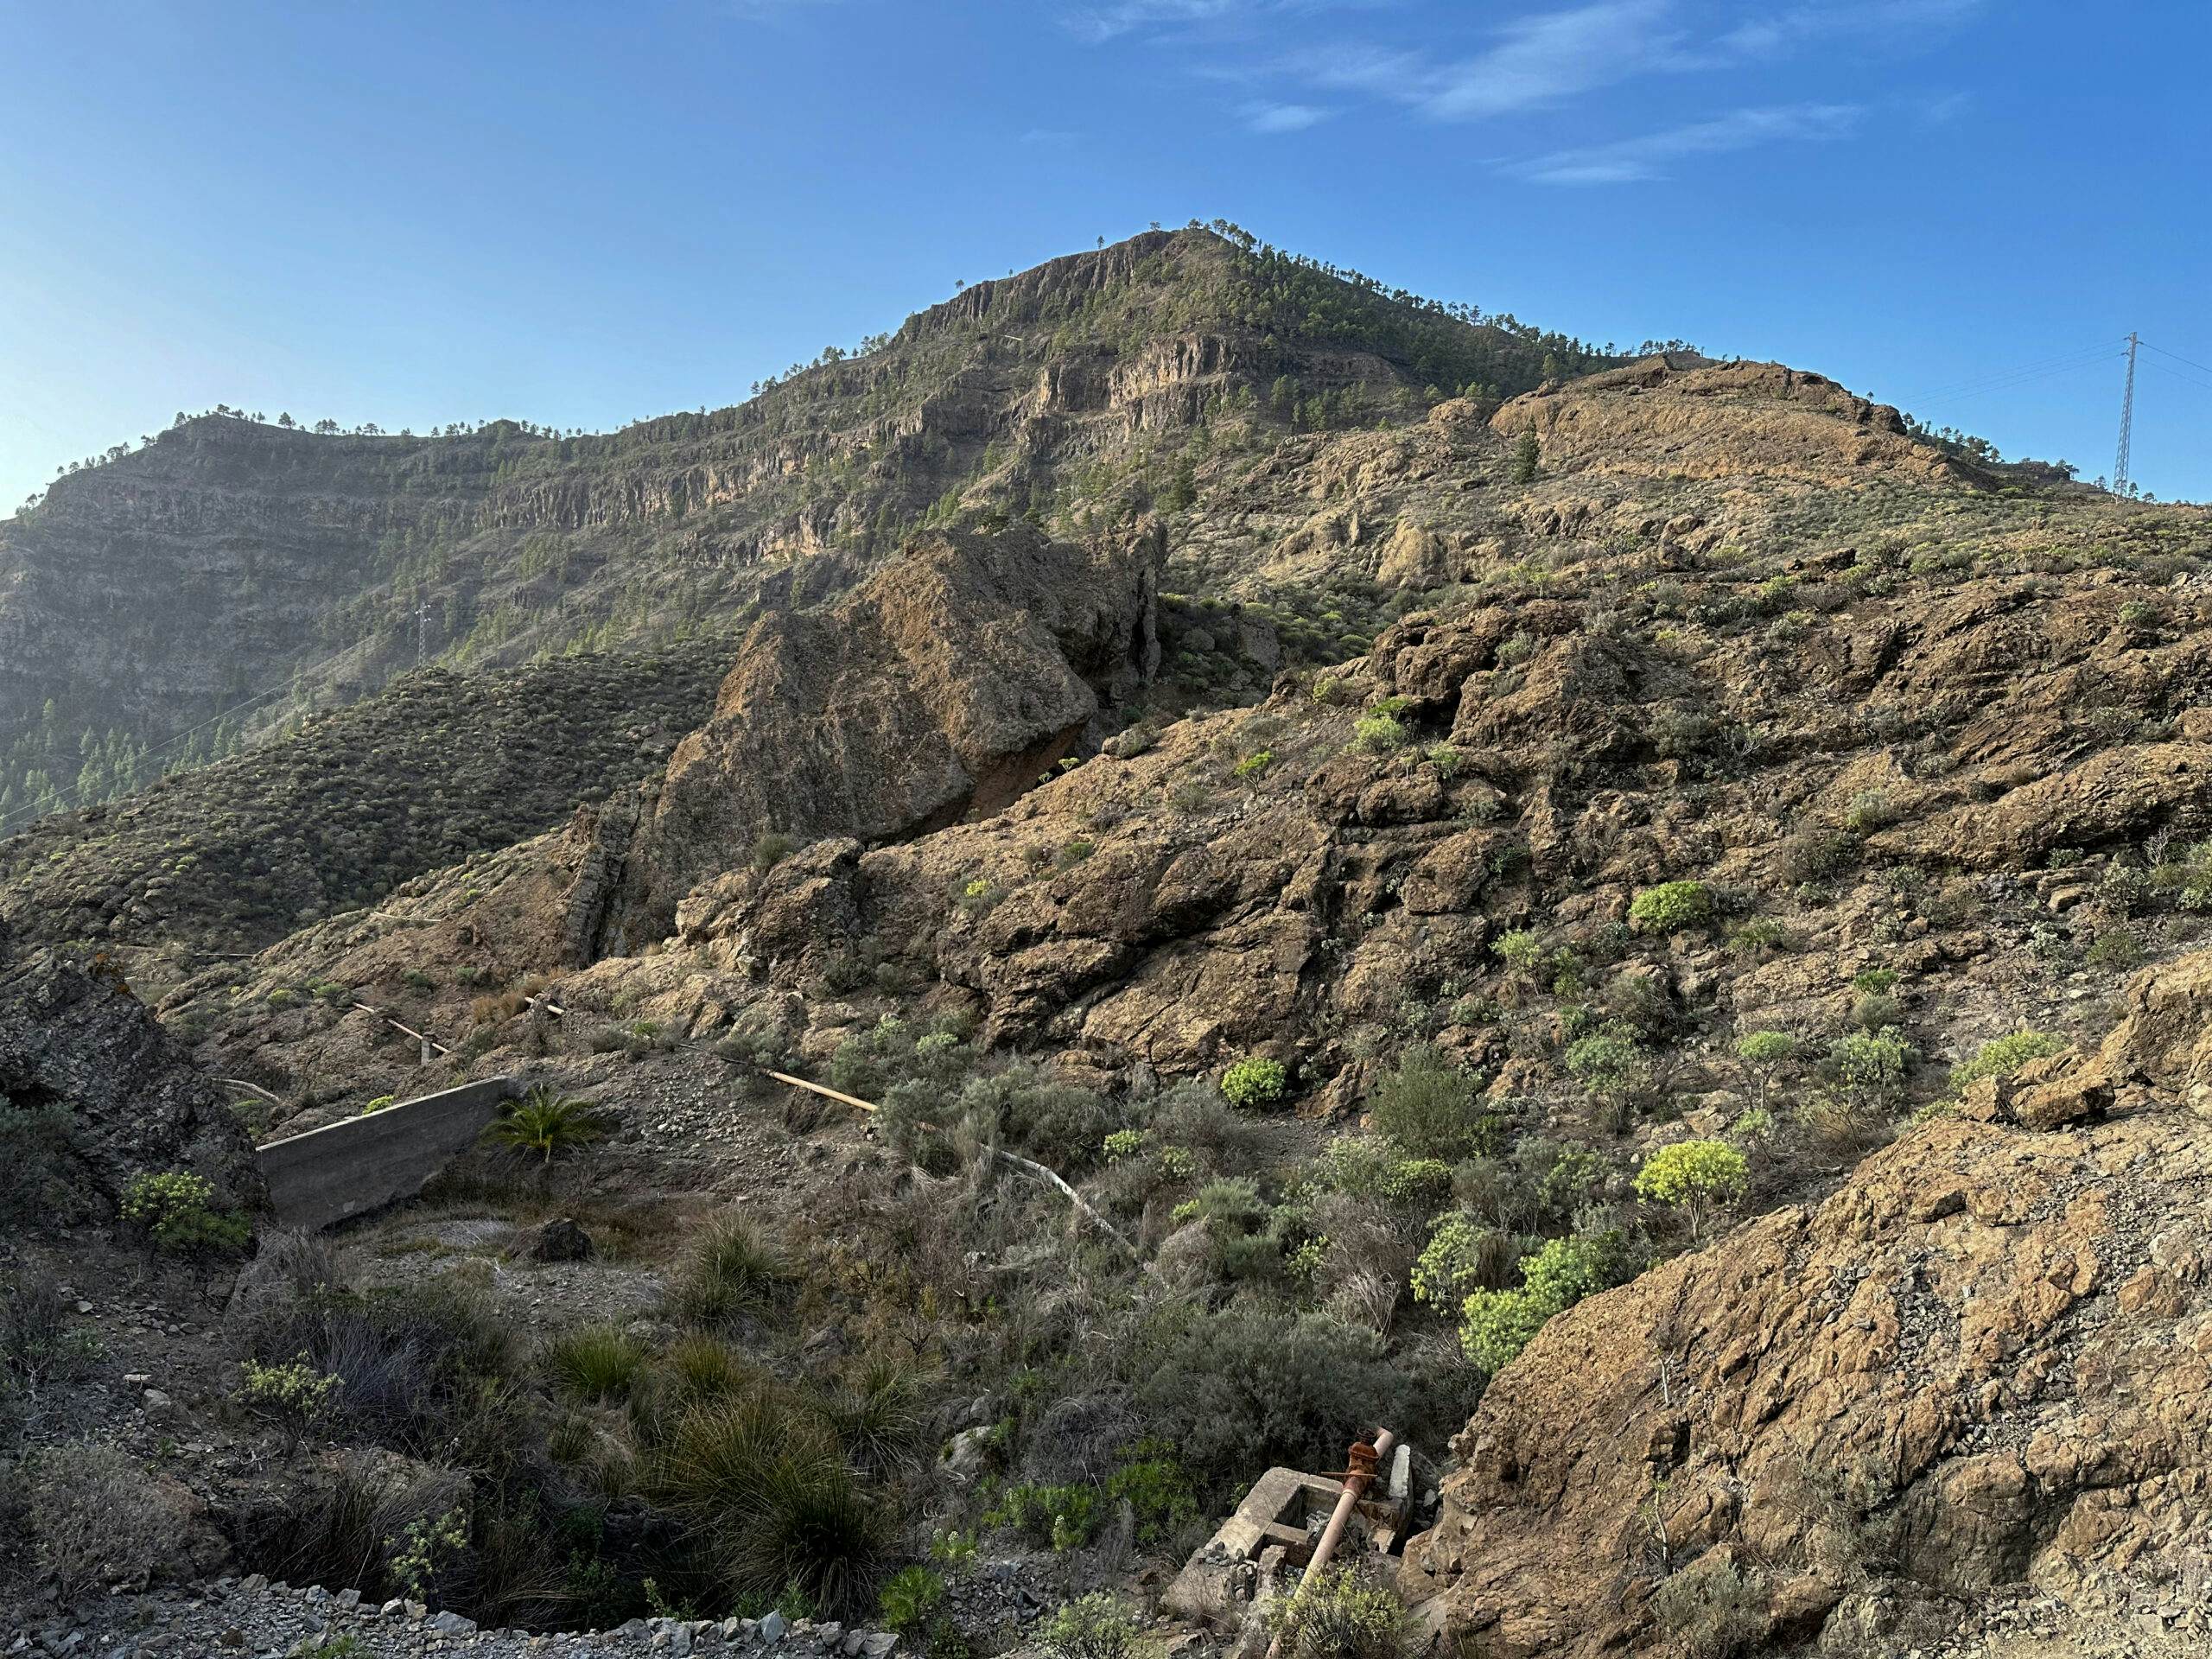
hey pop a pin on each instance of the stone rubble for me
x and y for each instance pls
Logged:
(253, 1618)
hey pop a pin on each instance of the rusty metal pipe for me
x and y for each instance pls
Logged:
(1360, 1470)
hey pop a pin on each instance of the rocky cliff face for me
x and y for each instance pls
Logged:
(1986, 1361)
(942, 687)
(76, 1040)
(1711, 420)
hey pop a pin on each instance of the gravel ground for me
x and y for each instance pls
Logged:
(253, 1618)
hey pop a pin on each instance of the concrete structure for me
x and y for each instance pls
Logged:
(1275, 1529)
(348, 1169)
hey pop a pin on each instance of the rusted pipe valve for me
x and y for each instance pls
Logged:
(1361, 1464)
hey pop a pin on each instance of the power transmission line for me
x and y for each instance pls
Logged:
(1998, 379)
(2177, 357)
(2201, 383)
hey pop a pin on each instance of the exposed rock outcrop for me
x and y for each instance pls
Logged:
(1708, 419)
(78, 1040)
(944, 686)
(1987, 1358)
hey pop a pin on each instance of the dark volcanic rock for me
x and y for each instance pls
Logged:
(80, 1040)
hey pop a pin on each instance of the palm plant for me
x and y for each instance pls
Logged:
(549, 1123)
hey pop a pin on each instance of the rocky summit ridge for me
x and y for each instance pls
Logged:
(1635, 920)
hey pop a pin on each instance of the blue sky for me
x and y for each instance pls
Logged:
(583, 214)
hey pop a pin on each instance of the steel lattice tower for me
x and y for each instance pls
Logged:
(2126, 422)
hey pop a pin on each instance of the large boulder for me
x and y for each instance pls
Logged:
(75, 1038)
(944, 686)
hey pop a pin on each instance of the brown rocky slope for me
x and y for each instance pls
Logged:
(1985, 1361)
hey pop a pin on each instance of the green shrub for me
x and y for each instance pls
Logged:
(1606, 1063)
(1156, 1486)
(1373, 1170)
(2002, 1056)
(1521, 950)
(731, 1274)
(1426, 1105)
(1869, 810)
(1379, 734)
(1340, 1613)
(1247, 1387)
(1061, 1123)
(1697, 1176)
(1463, 1256)
(1758, 936)
(1496, 1325)
(1065, 1517)
(1871, 1065)
(594, 1363)
(2117, 952)
(1712, 1610)
(35, 1163)
(1671, 906)
(171, 1211)
(909, 1601)
(1257, 763)
(1253, 1081)
(547, 1124)
(294, 1397)
(1094, 1626)
(96, 1517)
(771, 849)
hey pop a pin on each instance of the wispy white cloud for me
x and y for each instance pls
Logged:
(1896, 24)
(1099, 21)
(1554, 56)
(1565, 56)
(1263, 117)
(1941, 109)
(1629, 161)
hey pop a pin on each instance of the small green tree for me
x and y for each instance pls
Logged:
(1527, 457)
(1697, 1176)
(1521, 950)
(1761, 1055)
(548, 1123)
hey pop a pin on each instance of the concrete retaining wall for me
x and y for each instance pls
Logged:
(326, 1176)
